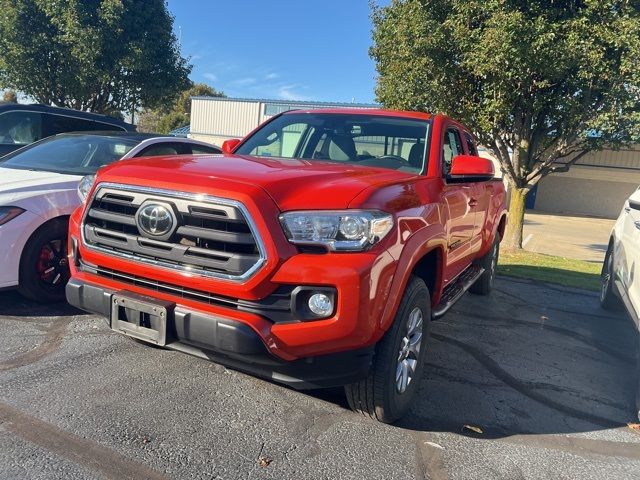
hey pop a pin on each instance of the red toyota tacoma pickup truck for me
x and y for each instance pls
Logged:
(315, 252)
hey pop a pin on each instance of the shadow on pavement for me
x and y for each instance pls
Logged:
(528, 359)
(14, 304)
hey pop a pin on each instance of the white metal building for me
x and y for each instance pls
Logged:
(216, 119)
(597, 185)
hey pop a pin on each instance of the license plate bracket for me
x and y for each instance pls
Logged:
(141, 317)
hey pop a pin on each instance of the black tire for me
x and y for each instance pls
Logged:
(608, 298)
(489, 262)
(44, 268)
(378, 396)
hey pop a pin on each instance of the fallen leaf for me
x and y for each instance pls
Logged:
(473, 428)
(634, 426)
(435, 445)
(264, 461)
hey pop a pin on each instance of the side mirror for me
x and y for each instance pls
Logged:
(230, 145)
(468, 168)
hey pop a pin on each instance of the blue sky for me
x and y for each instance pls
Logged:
(282, 49)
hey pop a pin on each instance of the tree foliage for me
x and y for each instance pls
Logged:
(174, 115)
(99, 55)
(540, 83)
(183, 103)
(171, 121)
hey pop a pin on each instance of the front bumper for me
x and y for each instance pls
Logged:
(235, 344)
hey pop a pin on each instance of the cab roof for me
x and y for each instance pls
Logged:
(380, 112)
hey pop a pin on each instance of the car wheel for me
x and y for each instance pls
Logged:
(387, 392)
(489, 262)
(44, 267)
(608, 298)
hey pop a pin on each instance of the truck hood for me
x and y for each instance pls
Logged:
(20, 186)
(292, 184)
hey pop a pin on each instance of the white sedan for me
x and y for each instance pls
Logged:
(620, 280)
(38, 192)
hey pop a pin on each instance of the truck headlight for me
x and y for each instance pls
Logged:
(84, 187)
(343, 230)
(9, 213)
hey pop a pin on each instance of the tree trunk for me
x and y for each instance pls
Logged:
(513, 236)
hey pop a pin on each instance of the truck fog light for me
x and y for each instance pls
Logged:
(320, 304)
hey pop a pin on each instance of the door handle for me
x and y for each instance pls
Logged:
(473, 202)
(627, 209)
(637, 224)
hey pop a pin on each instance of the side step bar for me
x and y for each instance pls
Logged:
(454, 291)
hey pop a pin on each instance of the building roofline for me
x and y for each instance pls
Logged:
(287, 102)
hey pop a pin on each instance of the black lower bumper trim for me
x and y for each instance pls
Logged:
(235, 344)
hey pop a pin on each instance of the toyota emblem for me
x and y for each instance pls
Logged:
(155, 220)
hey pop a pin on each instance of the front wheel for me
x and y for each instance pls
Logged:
(44, 268)
(387, 392)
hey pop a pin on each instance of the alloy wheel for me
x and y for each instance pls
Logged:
(409, 350)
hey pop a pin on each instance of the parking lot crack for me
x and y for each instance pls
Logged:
(496, 370)
(79, 450)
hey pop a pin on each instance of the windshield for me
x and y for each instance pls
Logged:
(72, 154)
(359, 139)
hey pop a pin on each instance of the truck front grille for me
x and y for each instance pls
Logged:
(198, 234)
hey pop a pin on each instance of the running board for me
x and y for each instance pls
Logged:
(455, 290)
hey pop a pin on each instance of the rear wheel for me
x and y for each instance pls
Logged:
(387, 392)
(489, 262)
(608, 298)
(44, 267)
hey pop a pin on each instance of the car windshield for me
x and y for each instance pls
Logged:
(70, 154)
(358, 139)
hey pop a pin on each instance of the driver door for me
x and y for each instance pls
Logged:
(459, 202)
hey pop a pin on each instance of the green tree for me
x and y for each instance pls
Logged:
(99, 55)
(148, 121)
(171, 121)
(183, 103)
(540, 83)
(171, 116)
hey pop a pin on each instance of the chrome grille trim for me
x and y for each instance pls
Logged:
(223, 204)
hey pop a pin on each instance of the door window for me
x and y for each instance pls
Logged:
(20, 127)
(471, 146)
(204, 150)
(166, 148)
(452, 146)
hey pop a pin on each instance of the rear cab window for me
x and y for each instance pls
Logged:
(471, 144)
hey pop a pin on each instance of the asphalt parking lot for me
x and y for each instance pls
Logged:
(543, 371)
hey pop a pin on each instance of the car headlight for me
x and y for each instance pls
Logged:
(9, 213)
(344, 230)
(84, 187)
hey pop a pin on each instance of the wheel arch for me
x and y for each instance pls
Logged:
(502, 225)
(429, 268)
(60, 218)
